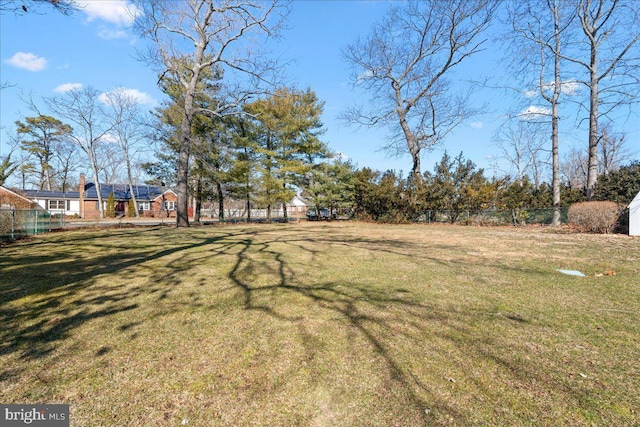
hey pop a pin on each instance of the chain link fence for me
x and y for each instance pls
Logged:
(498, 216)
(491, 217)
(18, 223)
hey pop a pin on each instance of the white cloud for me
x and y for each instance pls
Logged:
(570, 88)
(477, 125)
(109, 138)
(139, 96)
(110, 34)
(119, 12)
(66, 87)
(534, 112)
(27, 61)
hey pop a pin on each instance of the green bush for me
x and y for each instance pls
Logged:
(111, 206)
(131, 209)
(595, 217)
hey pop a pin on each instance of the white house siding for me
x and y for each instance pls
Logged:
(66, 207)
(634, 216)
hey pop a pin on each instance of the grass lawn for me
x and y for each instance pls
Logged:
(323, 324)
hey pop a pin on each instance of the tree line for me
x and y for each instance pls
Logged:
(231, 129)
(456, 186)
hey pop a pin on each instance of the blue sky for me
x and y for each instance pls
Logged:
(44, 54)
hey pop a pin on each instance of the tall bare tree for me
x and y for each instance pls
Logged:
(521, 144)
(539, 32)
(405, 64)
(83, 110)
(613, 151)
(192, 36)
(610, 55)
(129, 129)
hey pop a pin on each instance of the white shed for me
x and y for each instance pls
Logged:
(634, 216)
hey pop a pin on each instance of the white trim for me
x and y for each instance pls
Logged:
(634, 216)
(165, 192)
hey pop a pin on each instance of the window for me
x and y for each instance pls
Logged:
(169, 205)
(56, 204)
(144, 206)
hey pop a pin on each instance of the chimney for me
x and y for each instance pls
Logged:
(81, 191)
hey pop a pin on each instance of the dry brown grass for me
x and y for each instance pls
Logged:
(323, 324)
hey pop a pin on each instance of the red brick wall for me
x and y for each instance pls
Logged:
(90, 209)
(8, 197)
(156, 206)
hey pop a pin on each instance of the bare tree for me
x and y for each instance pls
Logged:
(613, 151)
(66, 159)
(538, 34)
(192, 36)
(405, 65)
(65, 7)
(129, 129)
(610, 56)
(521, 144)
(82, 109)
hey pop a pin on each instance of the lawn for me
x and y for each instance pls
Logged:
(323, 324)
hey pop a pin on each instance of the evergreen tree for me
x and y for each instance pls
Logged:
(111, 206)
(131, 209)
(621, 185)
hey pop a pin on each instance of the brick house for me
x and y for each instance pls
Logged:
(10, 199)
(153, 201)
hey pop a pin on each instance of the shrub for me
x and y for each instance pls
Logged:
(111, 206)
(595, 217)
(131, 209)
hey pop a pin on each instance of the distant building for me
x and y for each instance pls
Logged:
(152, 200)
(10, 199)
(634, 216)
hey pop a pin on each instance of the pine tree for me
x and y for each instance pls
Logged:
(131, 209)
(111, 206)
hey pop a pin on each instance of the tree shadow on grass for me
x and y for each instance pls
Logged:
(44, 298)
(380, 317)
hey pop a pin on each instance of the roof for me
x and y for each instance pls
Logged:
(20, 196)
(122, 191)
(45, 194)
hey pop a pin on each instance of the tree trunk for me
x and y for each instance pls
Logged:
(555, 160)
(248, 207)
(412, 144)
(198, 208)
(130, 179)
(182, 206)
(592, 171)
(94, 166)
(220, 201)
(555, 167)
